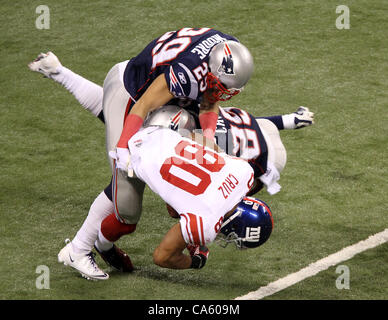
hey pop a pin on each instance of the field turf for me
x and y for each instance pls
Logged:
(334, 187)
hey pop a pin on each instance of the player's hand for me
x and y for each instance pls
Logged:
(303, 117)
(199, 254)
(123, 160)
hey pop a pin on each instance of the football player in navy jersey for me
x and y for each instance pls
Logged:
(237, 132)
(200, 64)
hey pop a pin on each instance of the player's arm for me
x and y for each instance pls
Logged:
(208, 116)
(155, 96)
(301, 118)
(169, 253)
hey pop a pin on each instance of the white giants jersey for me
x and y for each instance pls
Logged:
(199, 183)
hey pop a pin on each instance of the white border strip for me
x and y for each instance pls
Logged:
(318, 266)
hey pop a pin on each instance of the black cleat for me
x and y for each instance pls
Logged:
(116, 258)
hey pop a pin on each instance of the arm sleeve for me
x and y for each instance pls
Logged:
(181, 82)
(197, 230)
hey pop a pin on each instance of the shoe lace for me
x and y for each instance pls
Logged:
(91, 257)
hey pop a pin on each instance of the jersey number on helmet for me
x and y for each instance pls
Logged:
(192, 177)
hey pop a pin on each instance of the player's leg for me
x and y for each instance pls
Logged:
(277, 156)
(87, 93)
(86, 236)
(127, 193)
(77, 253)
(277, 153)
(115, 106)
(127, 199)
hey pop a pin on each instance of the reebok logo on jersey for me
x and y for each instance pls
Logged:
(182, 77)
(175, 87)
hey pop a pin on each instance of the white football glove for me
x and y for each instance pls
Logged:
(298, 119)
(46, 63)
(303, 117)
(123, 160)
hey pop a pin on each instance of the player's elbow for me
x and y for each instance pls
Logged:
(161, 258)
(171, 259)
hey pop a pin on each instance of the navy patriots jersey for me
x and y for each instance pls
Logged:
(238, 134)
(182, 56)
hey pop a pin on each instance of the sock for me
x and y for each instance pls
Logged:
(84, 240)
(88, 94)
(103, 244)
(112, 230)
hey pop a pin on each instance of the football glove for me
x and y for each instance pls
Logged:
(123, 160)
(301, 118)
(46, 63)
(199, 255)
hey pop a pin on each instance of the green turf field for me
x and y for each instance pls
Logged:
(334, 187)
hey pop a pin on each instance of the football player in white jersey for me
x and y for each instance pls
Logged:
(89, 95)
(200, 184)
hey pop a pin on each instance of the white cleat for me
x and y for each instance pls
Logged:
(46, 63)
(83, 263)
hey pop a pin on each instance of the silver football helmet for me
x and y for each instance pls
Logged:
(172, 117)
(230, 68)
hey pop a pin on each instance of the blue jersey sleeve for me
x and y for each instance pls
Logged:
(181, 81)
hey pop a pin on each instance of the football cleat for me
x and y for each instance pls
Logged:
(83, 263)
(116, 258)
(45, 63)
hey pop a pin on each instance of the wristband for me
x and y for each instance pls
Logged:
(132, 124)
(208, 123)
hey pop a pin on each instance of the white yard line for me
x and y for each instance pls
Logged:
(318, 266)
